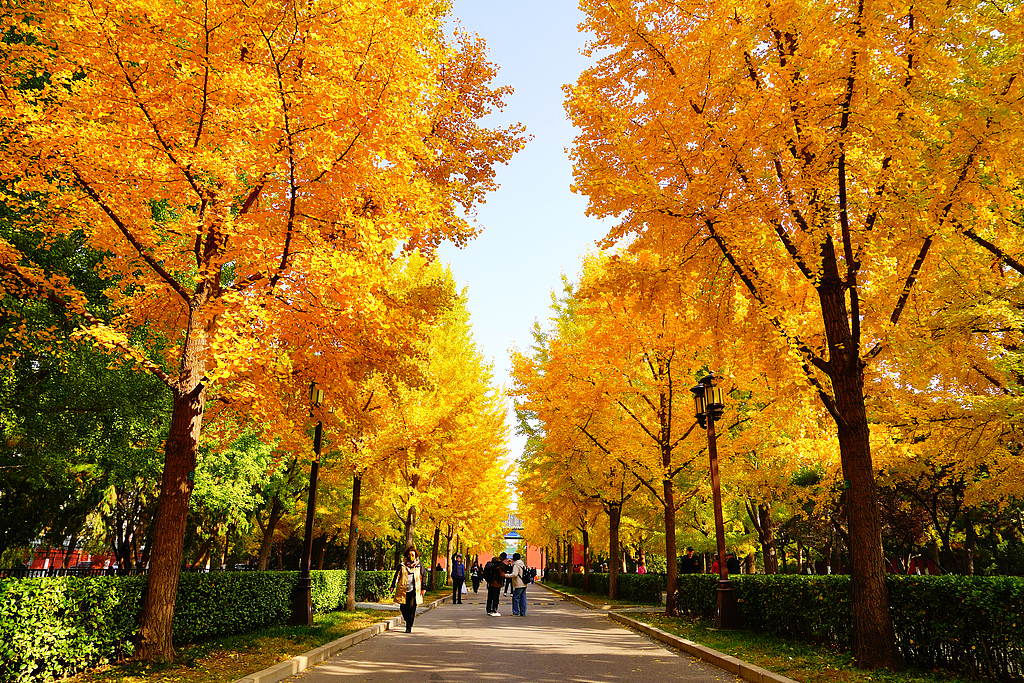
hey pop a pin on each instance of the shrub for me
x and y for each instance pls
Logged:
(223, 603)
(969, 624)
(643, 588)
(54, 627)
(328, 589)
(374, 586)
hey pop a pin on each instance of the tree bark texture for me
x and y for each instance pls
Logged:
(614, 553)
(154, 641)
(586, 559)
(874, 641)
(435, 547)
(267, 543)
(353, 545)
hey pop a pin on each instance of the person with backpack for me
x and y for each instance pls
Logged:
(494, 575)
(520, 578)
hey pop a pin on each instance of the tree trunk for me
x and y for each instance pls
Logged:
(320, 549)
(154, 641)
(72, 544)
(267, 543)
(586, 559)
(614, 553)
(970, 544)
(435, 547)
(671, 561)
(410, 527)
(761, 516)
(353, 545)
(874, 641)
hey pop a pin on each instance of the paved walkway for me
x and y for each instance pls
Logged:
(557, 642)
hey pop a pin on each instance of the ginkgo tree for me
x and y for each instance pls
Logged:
(249, 167)
(842, 158)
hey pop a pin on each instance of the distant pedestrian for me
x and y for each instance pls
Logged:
(732, 564)
(408, 586)
(714, 565)
(476, 573)
(458, 578)
(689, 564)
(517, 576)
(508, 575)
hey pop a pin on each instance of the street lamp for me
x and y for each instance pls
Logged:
(302, 599)
(709, 404)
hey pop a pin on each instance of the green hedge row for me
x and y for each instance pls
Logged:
(56, 626)
(966, 624)
(641, 588)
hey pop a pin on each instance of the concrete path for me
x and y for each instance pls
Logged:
(557, 642)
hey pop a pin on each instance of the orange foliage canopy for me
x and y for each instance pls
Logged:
(253, 168)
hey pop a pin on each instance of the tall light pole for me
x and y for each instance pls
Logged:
(302, 598)
(709, 404)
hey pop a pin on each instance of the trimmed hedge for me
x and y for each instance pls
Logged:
(967, 624)
(642, 588)
(57, 626)
(222, 603)
(54, 627)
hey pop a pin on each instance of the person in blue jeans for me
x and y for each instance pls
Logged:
(518, 586)
(458, 578)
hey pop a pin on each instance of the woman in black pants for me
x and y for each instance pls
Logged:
(476, 573)
(409, 586)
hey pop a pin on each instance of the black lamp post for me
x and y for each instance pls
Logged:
(302, 599)
(709, 404)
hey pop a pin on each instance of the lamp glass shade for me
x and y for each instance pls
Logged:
(698, 399)
(715, 396)
(316, 395)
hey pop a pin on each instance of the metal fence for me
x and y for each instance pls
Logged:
(27, 573)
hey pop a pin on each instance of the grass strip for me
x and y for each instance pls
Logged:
(229, 658)
(803, 662)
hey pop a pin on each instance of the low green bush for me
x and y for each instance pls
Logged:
(374, 586)
(328, 589)
(967, 624)
(57, 626)
(222, 603)
(53, 627)
(642, 588)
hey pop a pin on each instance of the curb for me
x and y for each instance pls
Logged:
(737, 667)
(298, 664)
(583, 603)
(744, 670)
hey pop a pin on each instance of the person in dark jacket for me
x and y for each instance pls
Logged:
(732, 564)
(494, 574)
(476, 573)
(458, 578)
(689, 563)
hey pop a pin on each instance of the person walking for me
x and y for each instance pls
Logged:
(517, 575)
(494, 575)
(508, 575)
(458, 579)
(476, 573)
(408, 585)
(689, 564)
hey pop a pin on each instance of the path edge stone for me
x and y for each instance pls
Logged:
(738, 667)
(298, 664)
(744, 670)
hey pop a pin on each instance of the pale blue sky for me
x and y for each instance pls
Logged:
(534, 227)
